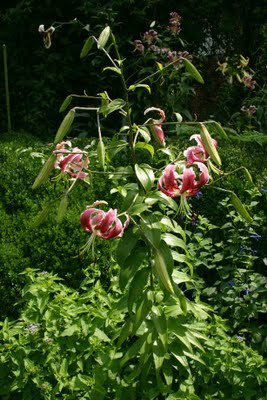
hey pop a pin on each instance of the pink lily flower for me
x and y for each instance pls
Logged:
(156, 129)
(104, 224)
(73, 162)
(197, 153)
(185, 184)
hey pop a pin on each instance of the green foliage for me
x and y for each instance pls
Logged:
(29, 235)
(144, 332)
(82, 344)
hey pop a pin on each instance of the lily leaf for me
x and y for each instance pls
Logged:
(145, 175)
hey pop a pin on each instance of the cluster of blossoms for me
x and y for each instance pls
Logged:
(71, 160)
(175, 22)
(186, 177)
(249, 110)
(150, 39)
(238, 69)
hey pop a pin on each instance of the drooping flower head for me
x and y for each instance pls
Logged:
(197, 153)
(103, 224)
(249, 82)
(179, 180)
(71, 160)
(46, 35)
(138, 46)
(156, 129)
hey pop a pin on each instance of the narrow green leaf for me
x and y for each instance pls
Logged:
(209, 145)
(161, 197)
(150, 226)
(131, 264)
(163, 264)
(142, 310)
(114, 69)
(125, 332)
(129, 200)
(240, 207)
(145, 175)
(65, 103)
(65, 126)
(45, 172)
(137, 285)
(160, 323)
(126, 245)
(134, 349)
(144, 132)
(101, 335)
(114, 105)
(145, 146)
(142, 85)
(191, 69)
(103, 37)
(174, 241)
(87, 46)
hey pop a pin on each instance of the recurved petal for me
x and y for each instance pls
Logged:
(107, 222)
(113, 232)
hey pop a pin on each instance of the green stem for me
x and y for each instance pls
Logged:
(6, 89)
(127, 106)
(228, 173)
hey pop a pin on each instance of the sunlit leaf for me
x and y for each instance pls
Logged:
(140, 85)
(114, 69)
(150, 226)
(145, 146)
(145, 175)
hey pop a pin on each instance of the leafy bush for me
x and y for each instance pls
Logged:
(50, 246)
(73, 344)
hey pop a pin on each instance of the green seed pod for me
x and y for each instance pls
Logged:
(191, 69)
(162, 272)
(101, 152)
(45, 172)
(87, 47)
(65, 126)
(63, 205)
(41, 217)
(240, 207)
(209, 145)
(65, 103)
